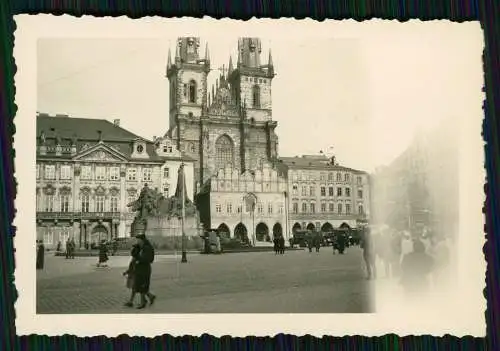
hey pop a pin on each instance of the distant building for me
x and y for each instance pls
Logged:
(324, 195)
(88, 170)
(420, 187)
(249, 205)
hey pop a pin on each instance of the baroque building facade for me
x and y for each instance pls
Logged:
(250, 206)
(322, 195)
(88, 170)
(229, 124)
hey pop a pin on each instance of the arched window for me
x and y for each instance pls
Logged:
(360, 210)
(256, 96)
(223, 151)
(192, 92)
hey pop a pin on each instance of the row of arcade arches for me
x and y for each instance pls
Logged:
(262, 231)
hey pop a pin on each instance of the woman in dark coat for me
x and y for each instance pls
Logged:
(142, 279)
(103, 253)
(40, 254)
(367, 245)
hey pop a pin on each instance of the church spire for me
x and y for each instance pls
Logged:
(169, 60)
(230, 68)
(207, 53)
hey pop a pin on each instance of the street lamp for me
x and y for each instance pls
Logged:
(183, 214)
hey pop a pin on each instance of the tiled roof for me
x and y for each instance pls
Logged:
(316, 162)
(84, 128)
(86, 131)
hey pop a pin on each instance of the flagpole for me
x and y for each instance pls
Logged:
(183, 214)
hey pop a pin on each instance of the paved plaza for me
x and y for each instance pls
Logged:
(258, 282)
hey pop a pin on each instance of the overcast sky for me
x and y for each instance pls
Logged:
(364, 92)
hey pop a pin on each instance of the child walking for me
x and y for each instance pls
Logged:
(130, 274)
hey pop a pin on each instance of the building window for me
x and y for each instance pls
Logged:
(114, 173)
(50, 172)
(146, 174)
(311, 191)
(49, 203)
(295, 189)
(85, 203)
(37, 171)
(295, 207)
(114, 204)
(322, 177)
(323, 207)
(339, 191)
(304, 191)
(361, 210)
(360, 180)
(331, 207)
(64, 201)
(304, 207)
(280, 208)
(48, 237)
(348, 192)
(360, 193)
(130, 199)
(256, 96)
(166, 191)
(86, 172)
(166, 172)
(270, 208)
(346, 177)
(313, 207)
(330, 177)
(192, 92)
(339, 177)
(38, 203)
(260, 208)
(223, 152)
(131, 174)
(65, 172)
(99, 204)
(218, 208)
(347, 209)
(238, 209)
(330, 191)
(229, 208)
(339, 208)
(323, 191)
(100, 173)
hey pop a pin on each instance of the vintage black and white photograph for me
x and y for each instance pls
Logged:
(241, 170)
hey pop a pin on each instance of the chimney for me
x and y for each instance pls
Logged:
(116, 122)
(99, 132)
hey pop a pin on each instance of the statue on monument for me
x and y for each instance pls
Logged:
(145, 206)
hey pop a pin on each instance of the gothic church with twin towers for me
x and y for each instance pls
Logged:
(226, 125)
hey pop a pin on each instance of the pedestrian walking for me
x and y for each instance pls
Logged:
(142, 279)
(103, 254)
(40, 254)
(416, 268)
(282, 244)
(276, 245)
(130, 274)
(67, 248)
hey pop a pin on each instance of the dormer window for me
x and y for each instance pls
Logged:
(139, 149)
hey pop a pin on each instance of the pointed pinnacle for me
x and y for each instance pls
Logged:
(230, 69)
(270, 60)
(207, 53)
(169, 60)
(177, 51)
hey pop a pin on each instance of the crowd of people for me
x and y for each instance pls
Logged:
(417, 260)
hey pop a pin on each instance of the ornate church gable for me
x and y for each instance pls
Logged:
(101, 152)
(222, 103)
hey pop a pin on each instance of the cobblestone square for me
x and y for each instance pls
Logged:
(297, 282)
